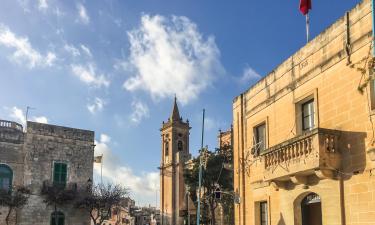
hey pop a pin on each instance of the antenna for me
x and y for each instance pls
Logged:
(27, 114)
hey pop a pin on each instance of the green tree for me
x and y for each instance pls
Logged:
(215, 175)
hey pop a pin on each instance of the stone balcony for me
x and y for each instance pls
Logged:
(313, 153)
(11, 132)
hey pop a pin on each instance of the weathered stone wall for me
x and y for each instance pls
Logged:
(324, 70)
(31, 156)
(44, 145)
(11, 154)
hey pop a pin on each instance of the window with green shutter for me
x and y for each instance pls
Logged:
(57, 218)
(6, 177)
(59, 174)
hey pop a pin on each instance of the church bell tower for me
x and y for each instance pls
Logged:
(174, 154)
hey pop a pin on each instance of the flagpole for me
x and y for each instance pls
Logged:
(101, 170)
(201, 155)
(307, 27)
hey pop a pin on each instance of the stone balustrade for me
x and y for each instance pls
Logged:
(10, 124)
(315, 152)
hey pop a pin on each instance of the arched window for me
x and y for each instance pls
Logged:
(166, 148)
(180, 145)
(57, 218)
(6, 177)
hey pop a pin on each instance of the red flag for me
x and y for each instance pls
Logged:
(304, 6)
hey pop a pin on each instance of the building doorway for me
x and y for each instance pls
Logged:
(311, 210)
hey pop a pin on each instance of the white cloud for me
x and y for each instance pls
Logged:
(96, 106)
(50, 58)
(19, 116)
(140, 111)
(121, 65)
(104, 138)
(23, 51)
(40, 119)
(86, 50)
(82, 14)
(171, 57)
(87, 74)
(42, 5)
(142, 187)
(249, 74)
(72, 50)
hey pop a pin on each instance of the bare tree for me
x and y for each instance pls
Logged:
(14, 199)
(100, 200)
(58, 195)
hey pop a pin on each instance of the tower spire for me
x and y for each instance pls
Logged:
(175, 113)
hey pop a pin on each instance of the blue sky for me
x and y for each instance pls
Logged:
(114, 67)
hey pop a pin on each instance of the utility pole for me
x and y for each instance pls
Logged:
(27, 115)
(200, 174)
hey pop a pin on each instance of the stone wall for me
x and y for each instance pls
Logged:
(11, 154)
(44, 145)
(31, 156)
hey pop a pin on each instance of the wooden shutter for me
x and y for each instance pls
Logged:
(59, 173)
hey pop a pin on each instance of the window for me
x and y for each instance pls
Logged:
(59, 174)
(179, 145)
(57, 218)
(166, 148)
(263, 213)
(6, 177)
(260, 138)
(308, 122)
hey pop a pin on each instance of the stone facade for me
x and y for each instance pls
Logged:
(304, 134)
(175, 155)
(31, 156)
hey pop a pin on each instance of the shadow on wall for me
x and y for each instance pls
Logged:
(281, 220)
(352, 147)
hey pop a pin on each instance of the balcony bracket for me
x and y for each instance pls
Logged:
(299, 179)
(324, 174)
(277, 184)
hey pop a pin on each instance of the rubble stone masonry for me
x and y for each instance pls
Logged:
(31, 156)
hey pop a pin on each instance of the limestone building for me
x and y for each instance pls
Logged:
(304, 135)
(175, 153)
(42, 156)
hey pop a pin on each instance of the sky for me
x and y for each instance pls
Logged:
(114, 66)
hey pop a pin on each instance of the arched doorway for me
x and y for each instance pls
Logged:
(311, 210)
